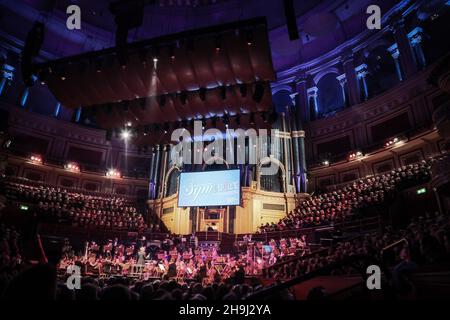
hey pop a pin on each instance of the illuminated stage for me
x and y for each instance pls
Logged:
(258, 207)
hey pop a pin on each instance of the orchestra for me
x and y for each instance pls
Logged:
(200, 262)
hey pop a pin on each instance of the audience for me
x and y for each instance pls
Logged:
(338, 205)
(54, 204)
(428, 241)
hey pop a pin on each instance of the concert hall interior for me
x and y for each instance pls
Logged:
(224, 149)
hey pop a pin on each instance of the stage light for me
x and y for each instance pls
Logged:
(392, 142)
(113, 173)
(172, 52)
(63, 78)
(143, 56)
(125, 134)
(72, 166)
(218, 44)
(252, 118)
(249, 36)
(129, 124)
(155, 55)
(36, 159)
(355, 155)
(326, 163)
(98, 66)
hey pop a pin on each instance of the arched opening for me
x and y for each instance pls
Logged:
(382, 73)
(329, 99)
(172, 181)
(215, 163)
(281, 99)
(273, 182)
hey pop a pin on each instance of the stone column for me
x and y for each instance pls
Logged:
(312, 93)
(415, 38)
(407, 60)
(343, 81)
(350, 76)
(6, 76)
(393, 50)
(165, 155)
(296, 150)
(303, 170)
(151, 184)
(302, 98)
(362, 72)
(156, 174)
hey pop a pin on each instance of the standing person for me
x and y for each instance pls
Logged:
(193, 241)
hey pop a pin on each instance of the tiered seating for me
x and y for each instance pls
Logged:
(54, 204)
(427, 242)
(338, 205)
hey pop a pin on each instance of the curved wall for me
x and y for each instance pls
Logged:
(58, 142)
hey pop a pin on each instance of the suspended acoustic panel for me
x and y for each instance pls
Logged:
(194, 74)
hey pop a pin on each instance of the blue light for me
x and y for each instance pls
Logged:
(78, 115)
(24, 98)
(57, 109)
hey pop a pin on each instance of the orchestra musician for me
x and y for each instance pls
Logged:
(193, 241)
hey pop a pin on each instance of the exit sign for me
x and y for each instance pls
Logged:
(421, 190)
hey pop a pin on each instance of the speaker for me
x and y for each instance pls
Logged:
(243, 90)
(183, 97)
(223, 92)
(162, 100)
(259, 92)
(108, 135)
(31, 49)
(291, 19)
(202, 94)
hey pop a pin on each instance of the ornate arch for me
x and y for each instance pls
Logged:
(282, 87)
(267, 160)
(323, 73)
(167, 177)
(213, 159)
